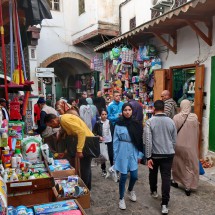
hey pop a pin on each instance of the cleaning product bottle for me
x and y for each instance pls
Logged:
(14, 176)
(1, 168)
(4, 139)
(5, 176)
(18, 153)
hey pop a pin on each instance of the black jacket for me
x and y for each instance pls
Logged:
(97, 130)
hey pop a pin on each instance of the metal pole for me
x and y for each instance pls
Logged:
(3, 52)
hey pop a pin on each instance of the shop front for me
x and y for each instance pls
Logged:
(186, 64)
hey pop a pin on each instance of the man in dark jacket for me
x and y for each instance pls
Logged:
(99, 101)
(137, 108)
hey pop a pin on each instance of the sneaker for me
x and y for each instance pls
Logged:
(154, 194)
(104, 173)
(122, 205)
(132, 196)
(164, 209)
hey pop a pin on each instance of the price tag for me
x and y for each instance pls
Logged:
(21, 184)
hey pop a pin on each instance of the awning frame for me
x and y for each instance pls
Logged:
(168, 24)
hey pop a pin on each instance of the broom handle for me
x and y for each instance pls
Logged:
(18, 42)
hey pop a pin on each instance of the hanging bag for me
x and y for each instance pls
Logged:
(183, 124)
(91, 147)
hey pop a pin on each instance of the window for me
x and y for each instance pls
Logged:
(132, 23)
(55, 5)
(81, 7)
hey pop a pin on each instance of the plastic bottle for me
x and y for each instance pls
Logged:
(5, 176)
(31, 176)
(18, 153)
(4, 139)
(1, 168)
(14, 176)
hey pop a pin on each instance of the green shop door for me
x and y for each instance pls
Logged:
(212, 108)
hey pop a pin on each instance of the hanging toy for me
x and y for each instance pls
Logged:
(16, 76)
(15, 110)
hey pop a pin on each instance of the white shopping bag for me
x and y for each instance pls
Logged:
(104, 150)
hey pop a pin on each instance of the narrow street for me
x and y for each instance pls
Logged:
(104, 198)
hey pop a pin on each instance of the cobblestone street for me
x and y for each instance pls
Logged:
(104, 198)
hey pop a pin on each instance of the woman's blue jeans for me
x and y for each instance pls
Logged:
(123, 178)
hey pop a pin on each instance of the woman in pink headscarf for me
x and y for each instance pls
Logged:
(185, 168)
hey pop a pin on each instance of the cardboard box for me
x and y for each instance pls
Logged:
(32, 198)
(30, 192)
(83, 200)
(60, 173)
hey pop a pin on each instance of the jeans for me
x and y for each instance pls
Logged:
(123, 178)
(85, 169)
(110, 154)
(165, 165)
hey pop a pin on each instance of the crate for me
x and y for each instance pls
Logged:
(30, 192)
(60, 173)
(83, 200)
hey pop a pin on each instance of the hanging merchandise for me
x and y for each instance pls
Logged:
(97, 64)
(151, 51)
(143, 53)
(127, 57)
(15, 110)
(156, 63)
(115, 52)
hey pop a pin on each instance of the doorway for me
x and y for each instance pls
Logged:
(212, 108)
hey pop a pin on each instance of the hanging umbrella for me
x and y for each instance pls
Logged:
(35, 11)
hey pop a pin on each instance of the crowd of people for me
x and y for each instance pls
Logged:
(162, 140)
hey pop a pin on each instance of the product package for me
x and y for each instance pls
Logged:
(55, 207)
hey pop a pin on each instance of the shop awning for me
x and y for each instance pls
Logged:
(168, 23)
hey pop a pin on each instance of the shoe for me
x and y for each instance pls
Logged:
(187, 192)
(132, 196)
(113, 174)
(122, 205)
(154, 194)
(174, 184)
(104, 173)
(164, 209)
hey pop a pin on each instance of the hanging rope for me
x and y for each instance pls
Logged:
(3, 51)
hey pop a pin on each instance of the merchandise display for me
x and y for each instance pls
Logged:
(132, 70)
(55, 208)
(70, 187)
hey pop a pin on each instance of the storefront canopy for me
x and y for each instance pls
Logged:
(187, 14)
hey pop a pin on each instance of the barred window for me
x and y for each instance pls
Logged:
(81, 6)
(55, 5)
(132, 23)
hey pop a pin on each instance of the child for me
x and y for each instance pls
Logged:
(104, 129)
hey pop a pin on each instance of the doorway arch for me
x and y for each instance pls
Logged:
(62, 55)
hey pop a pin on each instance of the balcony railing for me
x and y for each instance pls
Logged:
(161, 8)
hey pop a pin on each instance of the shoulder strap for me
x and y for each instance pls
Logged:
(182, 124)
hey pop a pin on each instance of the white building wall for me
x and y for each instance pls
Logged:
(190, 49)
(138, 8)
(96, 11)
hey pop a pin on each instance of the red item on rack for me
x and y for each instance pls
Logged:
(15, 110)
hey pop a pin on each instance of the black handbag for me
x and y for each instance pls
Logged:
(91, 147)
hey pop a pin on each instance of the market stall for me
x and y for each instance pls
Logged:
(128, 69)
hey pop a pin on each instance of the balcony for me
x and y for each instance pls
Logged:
(163, 6)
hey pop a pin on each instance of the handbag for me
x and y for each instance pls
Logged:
(91, 147)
